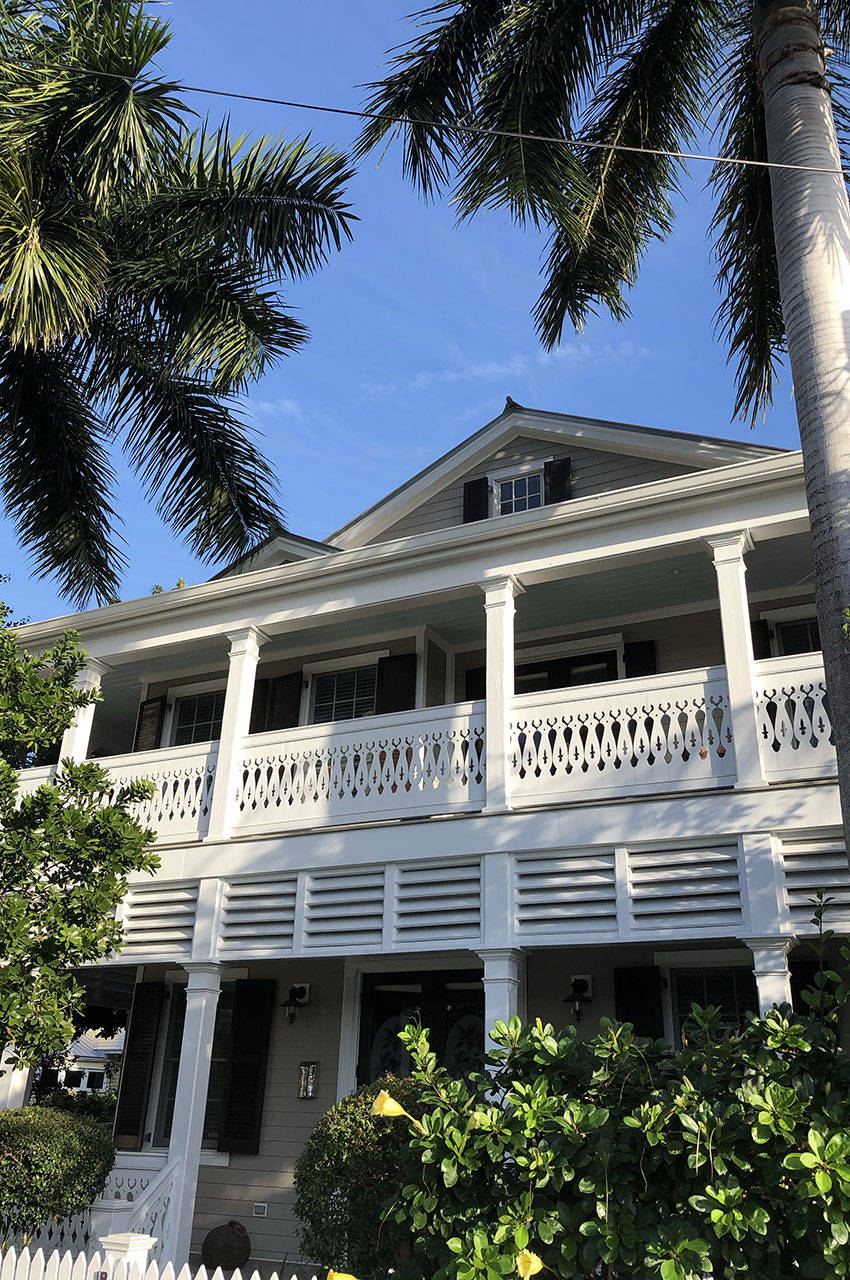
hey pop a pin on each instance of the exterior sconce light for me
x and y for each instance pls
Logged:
(308, 1080)
(581, 993)
(297, 996)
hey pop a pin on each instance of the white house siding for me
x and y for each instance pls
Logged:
(592, 471)
(230, 1191)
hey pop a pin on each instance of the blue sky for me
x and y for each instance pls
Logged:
(420, 328)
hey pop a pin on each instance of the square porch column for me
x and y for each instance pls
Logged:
(504, 986)
(499, 597)
(728, 555)
(236, 718)
(190, 1101)
(770, 966)
(76, 738)
(14, 1083)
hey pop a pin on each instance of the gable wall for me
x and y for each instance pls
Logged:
(593, 471)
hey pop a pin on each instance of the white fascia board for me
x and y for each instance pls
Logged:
(768, 493)
(697, 452)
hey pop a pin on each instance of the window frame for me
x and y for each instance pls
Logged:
(791, 613)
(351, 662)
(174, 694)
(666, 961)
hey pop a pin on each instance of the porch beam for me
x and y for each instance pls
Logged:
(499, 597)
(76, 738)
(770, 966)
(236, 718)
(728, 552)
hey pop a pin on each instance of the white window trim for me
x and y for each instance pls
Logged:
(520, 469)
(177, 691)
(495, 478)
(725, 958)
(791, 613)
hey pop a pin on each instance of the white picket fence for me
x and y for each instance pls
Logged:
(22, 1265)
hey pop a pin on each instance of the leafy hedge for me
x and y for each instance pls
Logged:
(52, 1164)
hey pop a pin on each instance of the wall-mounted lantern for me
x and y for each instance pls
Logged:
(581, 993)
(297, 997)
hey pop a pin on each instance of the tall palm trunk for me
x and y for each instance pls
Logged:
(811, 217)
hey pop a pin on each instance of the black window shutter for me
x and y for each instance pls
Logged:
(149, 724)
(137, 1066)
(557, 482)
(761, 638)
(259, 707)
(639, 659)
(476, 500)
(803, 974)
(253, 1009)
(476, 684)
(285, 701)
(637, 999)
(396, 687)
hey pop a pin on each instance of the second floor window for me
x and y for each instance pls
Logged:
(797, 635)
(520, 493)
(344, 695)
(198, 719)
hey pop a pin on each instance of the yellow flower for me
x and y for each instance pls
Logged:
(340, 1275)
(527, 1264)
(384, 1105)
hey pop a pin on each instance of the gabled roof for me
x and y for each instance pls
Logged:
(692, 451)
(279, 547)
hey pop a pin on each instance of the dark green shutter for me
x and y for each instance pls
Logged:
(149, 724)
(639, 659)
(396, 686)
(259, 707)
(476, 500)
(137, 1066)
(637, 999)
(557, 483)
(761, 638)
(285, 701)
(253, 1011)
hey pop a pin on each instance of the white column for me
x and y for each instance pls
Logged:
(193, 1075)
(241, 676)
(14, 1084)
(499, 605)
(504, 985)
(729, 550)
(75, 739)
(770, 966)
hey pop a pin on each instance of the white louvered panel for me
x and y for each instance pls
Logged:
(685, 888)
(344, 908)
(258, 916)
(438, 903)
(811, 863)
(566, 892)
(160, 920)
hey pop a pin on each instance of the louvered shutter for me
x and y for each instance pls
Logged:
(259, 707)
(396, 687)
(149, 724)
(253, 1010)
(476, 500)
(137, 1066)
(761, 638)
(637, 999)
(285, 701)
(639, 659)
(557, 483)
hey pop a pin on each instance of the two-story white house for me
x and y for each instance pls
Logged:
(543, 731)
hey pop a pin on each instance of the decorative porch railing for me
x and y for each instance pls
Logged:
(401, 765)
(638, 735)
(795, 729)
(182, 778)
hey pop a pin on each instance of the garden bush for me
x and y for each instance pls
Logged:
(348, 1171)
(52, 1164)
(95, 1105)
(621, 1157)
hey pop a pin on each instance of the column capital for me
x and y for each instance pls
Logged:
(92, 673)
(499, 591)
(770, 954)
(503, 962)
(246, 640)
(204, 976)
(729, 547)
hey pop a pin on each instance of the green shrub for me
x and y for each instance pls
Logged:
(97, 1106)
(349, 1168)
(52, 1164)
(622, 1157)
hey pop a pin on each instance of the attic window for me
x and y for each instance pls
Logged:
(515, 489)
(519, 493)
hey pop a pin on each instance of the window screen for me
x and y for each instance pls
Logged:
(344, 695)
(198, 719)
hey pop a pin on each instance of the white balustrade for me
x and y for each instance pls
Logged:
(795, 729)
(139, 1198)
(182, 780)
(634, 736)
(400, 765)
(30, 779)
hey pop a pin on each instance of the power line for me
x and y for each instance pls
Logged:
(458, 126)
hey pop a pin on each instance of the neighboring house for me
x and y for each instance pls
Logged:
(92, 1066)
(546, 722)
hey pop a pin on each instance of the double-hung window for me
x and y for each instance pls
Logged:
(198, 718)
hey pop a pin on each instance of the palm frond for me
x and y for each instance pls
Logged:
(650, 102)
(54, 472)
(750, 314)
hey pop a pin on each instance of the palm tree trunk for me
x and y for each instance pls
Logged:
(811, 217)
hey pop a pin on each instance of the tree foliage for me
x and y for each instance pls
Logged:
(53, 1164)
(587, 78)
(348, 1170)
(619, 1157)
(66, 850)
(140, 255)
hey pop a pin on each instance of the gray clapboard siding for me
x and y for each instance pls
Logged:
(593, 471)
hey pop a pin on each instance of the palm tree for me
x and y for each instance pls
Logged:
(648, 76)
(139, 264)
